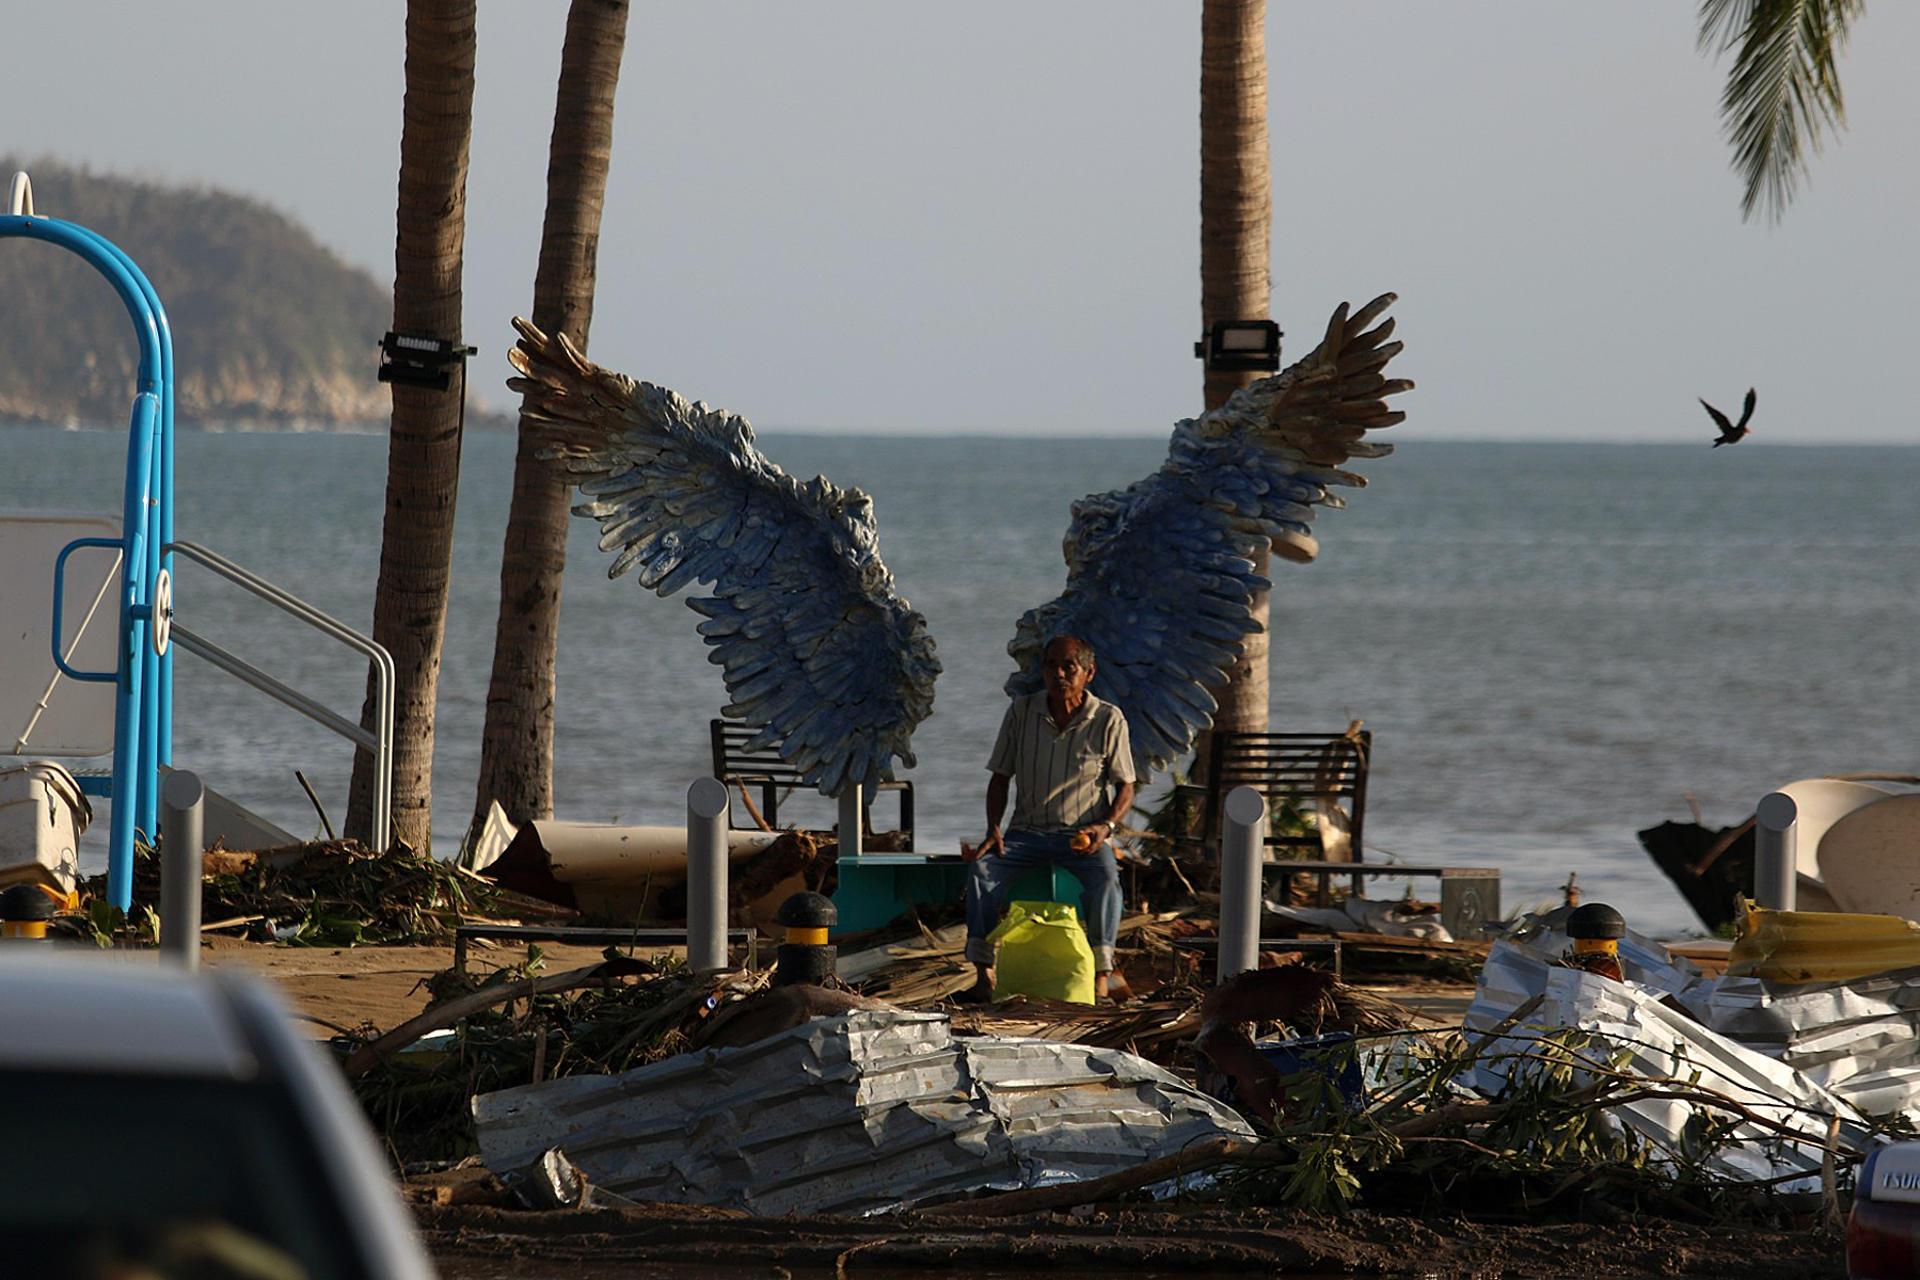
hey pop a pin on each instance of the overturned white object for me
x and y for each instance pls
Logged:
(42, 815)
(1357, 914)
(857, 1113)
(496, 833)
(1635, 1033)
(1866, 857)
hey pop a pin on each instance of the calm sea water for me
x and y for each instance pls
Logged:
(1554, 645)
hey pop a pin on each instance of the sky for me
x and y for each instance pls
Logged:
(901, 217)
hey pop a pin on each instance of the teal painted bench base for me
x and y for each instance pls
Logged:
(878, 888)
(1047, 884)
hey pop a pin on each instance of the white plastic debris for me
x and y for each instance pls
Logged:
(1356, 914)
(858, 1113)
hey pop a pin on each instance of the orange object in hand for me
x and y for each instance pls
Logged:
(1081, 842)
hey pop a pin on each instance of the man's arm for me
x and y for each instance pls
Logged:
(996, 809)
(1096, 832)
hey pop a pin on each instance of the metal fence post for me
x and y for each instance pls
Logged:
(181, 844)
(1775, 851)
(707, 875)
(1242, 841)
(853, 823)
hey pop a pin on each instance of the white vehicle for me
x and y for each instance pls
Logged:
(162, 1125)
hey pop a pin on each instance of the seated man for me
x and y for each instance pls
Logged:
(1069, 754)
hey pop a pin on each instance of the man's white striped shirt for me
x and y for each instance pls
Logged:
(1061, 775)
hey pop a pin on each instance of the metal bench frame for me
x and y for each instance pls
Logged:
(734, 765)
(1290, 765)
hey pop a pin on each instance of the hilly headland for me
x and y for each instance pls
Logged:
(270, 327)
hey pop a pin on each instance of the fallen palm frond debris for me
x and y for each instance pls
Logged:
(336, 893)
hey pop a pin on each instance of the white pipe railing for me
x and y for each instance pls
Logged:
(707, 875)
(379, 741)
(182, 841)
(1243, 841)
(1775, 851)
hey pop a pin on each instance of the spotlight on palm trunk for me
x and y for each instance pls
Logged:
(1241, 344)
(420, 362)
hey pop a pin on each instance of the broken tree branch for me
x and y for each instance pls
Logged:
(451, 1011)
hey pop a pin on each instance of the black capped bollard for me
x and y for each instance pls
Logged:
(24, 912)
(805, 957)
(1596, 930)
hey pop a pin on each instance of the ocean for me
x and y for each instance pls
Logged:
(1555, 645)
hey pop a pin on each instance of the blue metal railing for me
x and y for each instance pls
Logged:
(143, 700)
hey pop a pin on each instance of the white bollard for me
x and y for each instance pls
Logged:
(707, 875)
(853, 824)
(1242, 845)
(1775, 851)
(181, 845)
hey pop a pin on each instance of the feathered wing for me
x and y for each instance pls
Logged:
(1160, 575)
(817, 648)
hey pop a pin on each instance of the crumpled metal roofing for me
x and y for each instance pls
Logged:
(858, 1113)
(1657, 1042)
(1860, 1038)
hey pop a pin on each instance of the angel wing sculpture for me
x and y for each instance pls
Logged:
(829, 662)
(817, 648)
(1160, 577)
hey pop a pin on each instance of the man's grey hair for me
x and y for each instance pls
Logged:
(1081, 650)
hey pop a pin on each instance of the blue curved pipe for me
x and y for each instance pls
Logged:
(143, 703)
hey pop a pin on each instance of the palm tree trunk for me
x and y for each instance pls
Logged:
(423, 457)
(1236, 230)
(516, 751)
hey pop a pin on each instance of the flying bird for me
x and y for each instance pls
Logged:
(822, 655)
(1732, 433)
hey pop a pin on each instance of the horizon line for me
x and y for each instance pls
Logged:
(374, 427)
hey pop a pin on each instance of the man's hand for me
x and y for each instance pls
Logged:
(1089, 837)
(990, 847)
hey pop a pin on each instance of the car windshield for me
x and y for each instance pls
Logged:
(152, 1178)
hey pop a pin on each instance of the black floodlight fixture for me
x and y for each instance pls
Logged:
(1241, 345)
(420, 362)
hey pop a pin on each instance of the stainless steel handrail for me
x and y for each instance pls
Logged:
(379, 741)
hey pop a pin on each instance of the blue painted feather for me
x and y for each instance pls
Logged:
(1160, 575)
(817, 648)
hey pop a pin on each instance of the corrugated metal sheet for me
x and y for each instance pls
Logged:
(1657, 1042)
(851, 1114)
(1860, 1038)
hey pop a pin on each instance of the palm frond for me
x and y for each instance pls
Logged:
(1784, 89)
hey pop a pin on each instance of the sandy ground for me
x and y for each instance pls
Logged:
(350, 987)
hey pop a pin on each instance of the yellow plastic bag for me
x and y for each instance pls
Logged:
(1821, 946)
(1043, 952)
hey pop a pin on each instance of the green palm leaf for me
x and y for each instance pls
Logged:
(1784, 88)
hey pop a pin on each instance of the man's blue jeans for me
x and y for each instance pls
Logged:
(989, 879)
